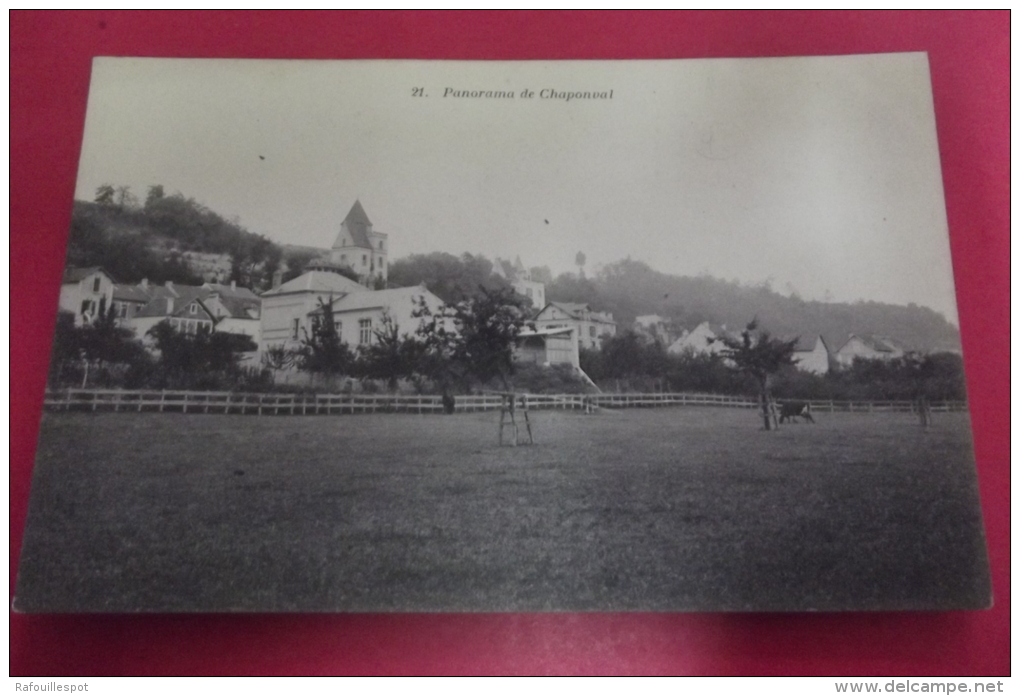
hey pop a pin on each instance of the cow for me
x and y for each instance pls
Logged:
(795, 409)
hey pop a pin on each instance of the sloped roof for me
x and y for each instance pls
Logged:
(379, 299)
(545, 332)
(238, 307)
(806, 343)
(232, 292)
(76, 275)
(575, 309)
(185, 295)
(131, 293)
(318, 281)
(358, 225)
(879, 344)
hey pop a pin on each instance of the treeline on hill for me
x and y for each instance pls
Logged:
(629, 362)
(135, 240)
(631, 288)
(451, 278)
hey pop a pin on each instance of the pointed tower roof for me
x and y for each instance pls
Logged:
(357, 216)
(357, 225)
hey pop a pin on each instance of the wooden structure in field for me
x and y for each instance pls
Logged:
(511, 405)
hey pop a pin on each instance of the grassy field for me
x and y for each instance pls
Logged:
(657, 509)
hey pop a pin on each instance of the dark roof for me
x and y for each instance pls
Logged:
(76, 275)
(238, 307)
(185, 295)
(131, 293)
(232, 292)
(358, 224)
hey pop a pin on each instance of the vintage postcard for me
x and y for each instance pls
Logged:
(507, 336)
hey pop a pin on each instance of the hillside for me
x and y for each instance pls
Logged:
(632, 288)
(162, 240)
(169, 238)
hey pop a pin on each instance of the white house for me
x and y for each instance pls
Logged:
(701, 340)
(812, 355)
(86, 293)
(358, 315)
(286, 309)
(869, 347)
(590, 327)
(548, 347)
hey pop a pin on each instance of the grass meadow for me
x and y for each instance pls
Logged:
(647, 509)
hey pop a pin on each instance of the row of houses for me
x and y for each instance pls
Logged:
(287, 313)
(812, 353)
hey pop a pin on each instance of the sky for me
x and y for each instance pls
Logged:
(819, 175)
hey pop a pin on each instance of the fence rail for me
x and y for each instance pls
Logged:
(335, 404)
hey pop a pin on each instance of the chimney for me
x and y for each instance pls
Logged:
(144, 284)
(169, 305)
(277, 279)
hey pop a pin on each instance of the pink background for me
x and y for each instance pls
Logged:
(969, 54)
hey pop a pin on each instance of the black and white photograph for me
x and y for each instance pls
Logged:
(442, 336)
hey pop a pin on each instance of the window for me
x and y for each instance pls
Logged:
(591, 331)
(343, 258)
(380, 244)
(364, 331)
(364, 260)
(95, 284)
(297, 327)
(193, 308)
(85, 306)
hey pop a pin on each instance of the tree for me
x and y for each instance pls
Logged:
(472, 339)
(322, 352)
(278, 357)
(104, 341)
(204, 359)
(449, 277)
(154, 195)
(759, 355)
(125, 199)
(390, 356)
(105, 194)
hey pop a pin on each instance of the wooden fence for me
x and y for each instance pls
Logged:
(330, 404)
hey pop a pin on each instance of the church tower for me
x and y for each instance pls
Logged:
(361, 248)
